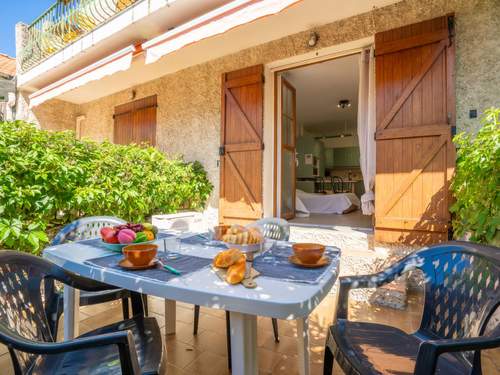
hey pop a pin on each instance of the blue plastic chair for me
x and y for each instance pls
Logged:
(84, 229)
(461, 311)
(131, 347)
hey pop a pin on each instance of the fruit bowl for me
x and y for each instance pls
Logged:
(117, 237)
(118, 247)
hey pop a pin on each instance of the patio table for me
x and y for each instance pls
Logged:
(272, 298)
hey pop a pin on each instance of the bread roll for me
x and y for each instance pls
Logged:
(227, 257)
(236, 272)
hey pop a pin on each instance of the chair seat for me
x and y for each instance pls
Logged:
(370, 348)
(92, 298)
(105, 359)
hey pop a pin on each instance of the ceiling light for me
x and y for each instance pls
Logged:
(344, 103)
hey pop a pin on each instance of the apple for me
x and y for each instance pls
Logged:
(109, 235)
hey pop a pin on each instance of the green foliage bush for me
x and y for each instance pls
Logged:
(476, 184)
(50, 178)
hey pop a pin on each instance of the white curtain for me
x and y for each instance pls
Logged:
(366, 127)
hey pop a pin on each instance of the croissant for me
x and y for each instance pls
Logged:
(228, 257)
(236, 273)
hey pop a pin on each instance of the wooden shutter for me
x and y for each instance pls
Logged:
(415, 115)
(241, 146)
(135, 122)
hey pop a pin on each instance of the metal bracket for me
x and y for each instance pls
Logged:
(222, 151)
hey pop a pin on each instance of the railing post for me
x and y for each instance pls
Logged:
(21, 42)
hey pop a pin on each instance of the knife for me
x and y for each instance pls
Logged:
(168, 268)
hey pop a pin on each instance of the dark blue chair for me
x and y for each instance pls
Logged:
(132, 346)
(460, 316)
(83, 229)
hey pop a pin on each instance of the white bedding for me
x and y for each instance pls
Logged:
(328, 203)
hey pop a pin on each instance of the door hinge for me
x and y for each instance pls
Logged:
(453, 130)
(222, 151)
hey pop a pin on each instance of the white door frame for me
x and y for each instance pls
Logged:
(272, 132)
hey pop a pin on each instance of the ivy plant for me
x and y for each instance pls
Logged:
(476, 183)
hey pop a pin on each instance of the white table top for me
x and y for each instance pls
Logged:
(272, 297)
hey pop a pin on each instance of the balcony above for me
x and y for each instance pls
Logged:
(72, 34)
(63, 23)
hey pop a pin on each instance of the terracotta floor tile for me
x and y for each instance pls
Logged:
(6, 364)
(180, 354)
(111, 315)
(208, 364)
(211, 323)
(173, 370)
(268, 360)
(184, 332)
(212, 342)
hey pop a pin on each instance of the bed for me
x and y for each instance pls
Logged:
(340, 203)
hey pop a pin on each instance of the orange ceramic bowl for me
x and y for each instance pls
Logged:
(308, 253)
(140, 254)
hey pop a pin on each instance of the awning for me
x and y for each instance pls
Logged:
(218, 21)
(119, 61)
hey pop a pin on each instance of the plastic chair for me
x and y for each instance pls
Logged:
(460, 317)
(83, 229)
(132, 346)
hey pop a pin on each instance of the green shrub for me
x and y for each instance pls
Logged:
(476, 184)
(50, 178)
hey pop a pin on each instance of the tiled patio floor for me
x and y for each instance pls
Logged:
(205, 354)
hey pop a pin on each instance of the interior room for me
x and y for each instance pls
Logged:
(322, 182)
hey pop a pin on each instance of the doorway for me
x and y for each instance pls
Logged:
(320, 179)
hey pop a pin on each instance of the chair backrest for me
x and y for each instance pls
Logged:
(84, 228)
(24, 301)
(337, 184)
(462, 288)
(274, 228)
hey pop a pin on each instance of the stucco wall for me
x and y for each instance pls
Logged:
(53, 115)
(189, 100)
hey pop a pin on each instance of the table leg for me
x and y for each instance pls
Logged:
(71, 312)
(170, 317)
(244, 344)
(303, 345)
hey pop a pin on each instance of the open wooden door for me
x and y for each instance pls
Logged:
(241, 146)
(415, 118)
(288, 119)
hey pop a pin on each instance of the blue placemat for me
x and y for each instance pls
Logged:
(97, 242)
(203, 240)
(186, 264)
(274, 263)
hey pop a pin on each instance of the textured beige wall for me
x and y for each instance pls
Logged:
(53, 115)
(189, 100)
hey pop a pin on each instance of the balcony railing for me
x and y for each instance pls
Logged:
(63, 23)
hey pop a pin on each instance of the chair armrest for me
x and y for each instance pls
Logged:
(124, 340)
(430, 350)
(372, 281)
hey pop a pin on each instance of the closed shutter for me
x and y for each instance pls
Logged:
(415, 115)
(135, 122)
(241, 146)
